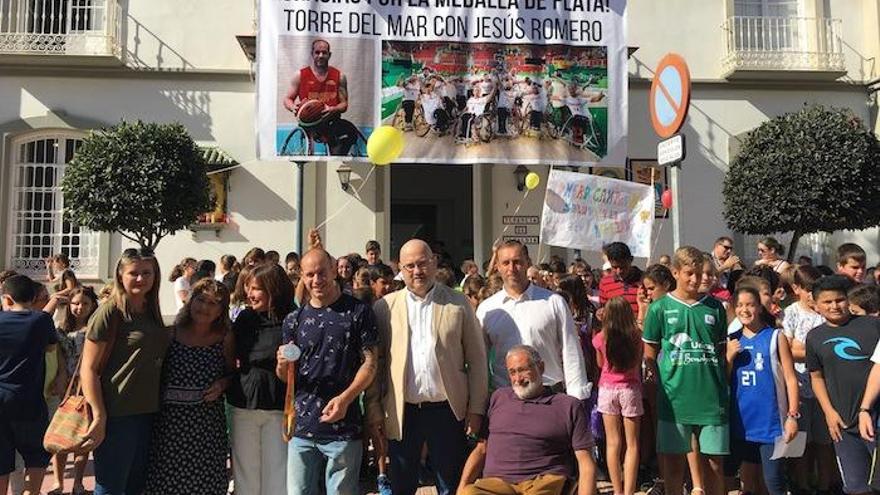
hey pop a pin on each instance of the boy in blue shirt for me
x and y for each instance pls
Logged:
(25, 337)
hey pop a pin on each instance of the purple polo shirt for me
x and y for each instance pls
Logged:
(527, 438)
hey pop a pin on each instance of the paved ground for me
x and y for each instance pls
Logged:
(89, 482)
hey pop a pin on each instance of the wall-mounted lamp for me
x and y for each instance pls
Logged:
(520, 172)
(344, 172)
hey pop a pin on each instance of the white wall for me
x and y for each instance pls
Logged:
(186, 35)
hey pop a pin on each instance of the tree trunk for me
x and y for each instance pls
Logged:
(792, 246)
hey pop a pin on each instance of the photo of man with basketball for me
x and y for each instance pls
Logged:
(318, 96)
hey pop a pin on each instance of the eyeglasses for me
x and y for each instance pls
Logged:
(726, 247)
(421, 265)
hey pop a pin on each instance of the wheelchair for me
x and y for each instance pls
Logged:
(315, 140)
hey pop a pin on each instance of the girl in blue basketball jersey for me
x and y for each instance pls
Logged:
(764, 393)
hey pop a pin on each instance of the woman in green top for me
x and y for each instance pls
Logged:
(121, 382)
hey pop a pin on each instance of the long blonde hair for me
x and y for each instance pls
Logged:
(120, 298)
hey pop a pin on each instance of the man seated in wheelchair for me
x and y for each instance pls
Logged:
(535, 104)
(506, 98)
(579, 123)
(448, 93)
(476, 106)
(318, 95)
(411, 88)
(432, 105)
(533, 440)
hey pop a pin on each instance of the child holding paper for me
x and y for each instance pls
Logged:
(763, 392)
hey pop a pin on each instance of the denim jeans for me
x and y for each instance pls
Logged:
(306, 461)
(760, 453)
(121, 459)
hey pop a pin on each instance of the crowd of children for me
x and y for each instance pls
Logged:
(701, 370)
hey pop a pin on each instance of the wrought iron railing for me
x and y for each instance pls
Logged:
(60, 27)
(783, 43)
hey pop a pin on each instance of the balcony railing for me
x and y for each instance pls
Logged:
(60, 27)
(783, 44)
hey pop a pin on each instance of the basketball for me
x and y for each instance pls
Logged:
(310, 111)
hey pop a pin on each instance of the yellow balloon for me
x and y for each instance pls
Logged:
(384, 145)
(532, 180)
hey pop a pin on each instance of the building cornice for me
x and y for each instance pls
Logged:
(123, 72)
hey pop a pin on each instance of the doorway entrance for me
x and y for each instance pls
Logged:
(433, 203)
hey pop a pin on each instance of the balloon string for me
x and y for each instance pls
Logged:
(515, 211)
(355, 195)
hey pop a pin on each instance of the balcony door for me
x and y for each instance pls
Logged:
(768, 25)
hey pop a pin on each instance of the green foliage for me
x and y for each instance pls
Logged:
(809, 171)
(142, 180)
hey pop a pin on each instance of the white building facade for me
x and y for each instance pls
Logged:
(71, 66)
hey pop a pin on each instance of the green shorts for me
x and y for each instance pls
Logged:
(673, 438)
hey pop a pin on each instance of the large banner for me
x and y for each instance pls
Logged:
(468, 81)
(584, 211)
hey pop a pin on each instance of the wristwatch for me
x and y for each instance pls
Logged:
(864, 410)
(793, 415)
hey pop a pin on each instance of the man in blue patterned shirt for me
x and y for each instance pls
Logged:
(337, 336)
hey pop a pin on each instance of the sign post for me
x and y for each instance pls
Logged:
(669, 102)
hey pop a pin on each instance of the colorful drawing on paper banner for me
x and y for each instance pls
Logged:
(584, 211)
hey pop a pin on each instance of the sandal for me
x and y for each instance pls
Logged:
(55, 491)
(80, 491)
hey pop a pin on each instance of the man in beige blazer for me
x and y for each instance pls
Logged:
(432, 383)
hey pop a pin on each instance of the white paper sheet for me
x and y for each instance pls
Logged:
(795, 448)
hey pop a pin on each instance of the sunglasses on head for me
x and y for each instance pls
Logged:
(138, 253)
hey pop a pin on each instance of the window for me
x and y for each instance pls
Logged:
(766, 8)
(767, 25)
(38, 229)
(50, 16)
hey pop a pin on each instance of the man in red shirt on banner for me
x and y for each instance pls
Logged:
(322, 82)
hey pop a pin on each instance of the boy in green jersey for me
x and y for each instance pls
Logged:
(688, 332)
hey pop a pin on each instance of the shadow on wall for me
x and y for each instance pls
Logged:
(149, 100)
(254, 201)
(144, 50)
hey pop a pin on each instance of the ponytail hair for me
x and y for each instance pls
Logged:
(180, 269)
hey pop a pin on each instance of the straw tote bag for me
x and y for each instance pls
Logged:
(67, 430)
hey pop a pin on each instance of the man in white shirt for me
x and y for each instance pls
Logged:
(506, 98)
(431, 384)
(476, 106)
(534, 105)
(522, 313)
(411, 88)
(432, 108)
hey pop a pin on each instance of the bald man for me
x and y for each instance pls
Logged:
(432, 382)
(336, 335)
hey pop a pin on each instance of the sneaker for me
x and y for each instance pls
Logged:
(383, 484)
(656, 488)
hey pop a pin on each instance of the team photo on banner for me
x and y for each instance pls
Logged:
(466, 81)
